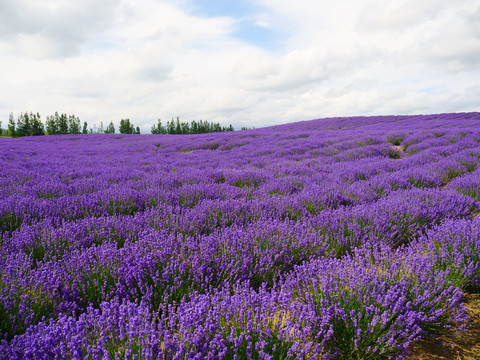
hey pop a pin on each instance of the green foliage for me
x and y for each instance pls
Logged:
(62, 124)
(12, 126)
(73, 125)
(241, 336)
(36, 125)
(51, 125)
(127, 128)
(194, 127)
(30, 305)
(158, 128)
(394, 154)
(10, 221)
(110, 128)
(24, 127)
(473, 192)
(96, 284)
(396, 138)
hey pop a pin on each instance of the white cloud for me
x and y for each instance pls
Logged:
(146, 59)
(55, 28)
(402, 14)
(262, 24)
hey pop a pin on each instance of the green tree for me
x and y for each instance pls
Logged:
(185, 128)
(62, 123)
(11, 126)
(73, 124)
(36, 125)
(137, 130)
(154, 129)
(170, 127)
(126, 127)
(23, 125)
(178, 127)
(158, 128)
(51, 125)
(175, 126)
(194, 127)
(110, 128)
(202, 127)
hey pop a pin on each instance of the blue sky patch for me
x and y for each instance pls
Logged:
(247, 28)
(233, 8)
(263, 37)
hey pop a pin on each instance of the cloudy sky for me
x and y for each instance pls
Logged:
(240, 62)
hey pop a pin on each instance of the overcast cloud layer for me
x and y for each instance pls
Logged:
(246, 63)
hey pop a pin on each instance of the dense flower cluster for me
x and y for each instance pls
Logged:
(341, 238)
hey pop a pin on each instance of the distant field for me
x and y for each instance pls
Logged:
(338, 238)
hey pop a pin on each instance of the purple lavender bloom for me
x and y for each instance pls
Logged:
(332, 238)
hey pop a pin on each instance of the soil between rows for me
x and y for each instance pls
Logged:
(452, 346)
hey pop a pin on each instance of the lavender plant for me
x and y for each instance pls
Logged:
(340, 238)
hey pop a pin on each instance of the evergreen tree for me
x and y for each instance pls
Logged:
(73, 124)
(175, 126)
(23, 125)
(158, 128)
(138, 130)
(11, 126)
(202, 127)
(171, 127)
(194, 127)
(154, 129)
(36, 125)
(126, 127)
(110, 128)
(185, 128)
(85, 128)
(62, 123)
(51, 125)
(178, 127)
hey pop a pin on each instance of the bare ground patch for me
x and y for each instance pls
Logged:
(452, 346)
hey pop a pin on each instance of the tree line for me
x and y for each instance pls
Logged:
(194, 127)
(30, 124)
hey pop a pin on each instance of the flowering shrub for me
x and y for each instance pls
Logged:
(342, 238)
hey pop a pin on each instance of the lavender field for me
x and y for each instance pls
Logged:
(341, 238)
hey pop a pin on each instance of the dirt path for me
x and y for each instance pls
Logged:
(450, 346)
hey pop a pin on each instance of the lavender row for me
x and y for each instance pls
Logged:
(158, 259)
(372, 304)
(321, 239)
(355, 184)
